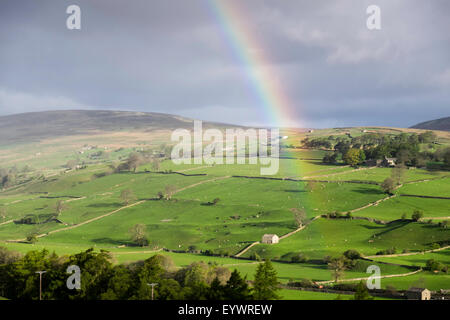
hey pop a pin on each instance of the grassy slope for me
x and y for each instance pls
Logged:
(333, 237)
(419, 259)
(394, 208)
(435, 188)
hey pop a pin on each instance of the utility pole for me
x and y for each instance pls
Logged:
(152, 285)
(40, 283)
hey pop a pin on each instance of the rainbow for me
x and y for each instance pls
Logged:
(279, 110)
(246, 48)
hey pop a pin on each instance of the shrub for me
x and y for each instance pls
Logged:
(299, 258)
(302, 283)
(32, 238)
(417, 215)
(352, 254)
(388, 185)
(435, 246)
(434, 265)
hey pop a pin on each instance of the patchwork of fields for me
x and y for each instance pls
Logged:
(246, 207)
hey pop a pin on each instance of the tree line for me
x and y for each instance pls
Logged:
(101, 279)
(405, 147)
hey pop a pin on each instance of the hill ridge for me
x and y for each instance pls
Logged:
(35, 126)
(437, 124)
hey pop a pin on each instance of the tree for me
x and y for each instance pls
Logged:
(388, 185)
(237, 288)
(342, 147)
(60, 206)
(8, 256)
(337, 267)
(299, 216)
(403, 157)
(169, 191)
(156, 164)
(417, 215)
(362, 293)
(216, 290)
(133, 161)
(427, 137)
(120, 284)
(139, 234)
(71, 164)
(398, 174)
(32, 238)
(352, 254)
(330, 158)
(354, 157)
(127, 196)
(265, 285)
(192, 249)
(96, 271)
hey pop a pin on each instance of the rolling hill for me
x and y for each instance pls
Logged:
(35, 126)
(438, 124)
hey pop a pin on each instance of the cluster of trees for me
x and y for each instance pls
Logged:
(134, 160)
(392, 250)
(396, 179)
(433, 265)
(338, 215)
(338, 265)
(102, 280)
(139, 235)
(154, 157)
(300, 217)
(354, 157)
(405, 147)
(168, 193)
(318, 143)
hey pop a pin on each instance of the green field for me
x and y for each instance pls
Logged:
(419, 259)
(394, 208)
(379, 174)
(424, 279)
(433, 188)
(332, 237)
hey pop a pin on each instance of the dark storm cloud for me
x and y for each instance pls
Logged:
(170, 56)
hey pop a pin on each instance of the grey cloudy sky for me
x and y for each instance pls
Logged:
(170, 56)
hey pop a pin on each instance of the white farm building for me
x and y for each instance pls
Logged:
(270, 239)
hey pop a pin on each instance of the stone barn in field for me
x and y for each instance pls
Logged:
(270, 239)
(418, 294)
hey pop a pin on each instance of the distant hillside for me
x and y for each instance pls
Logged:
(35, 126)
(439, 124)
